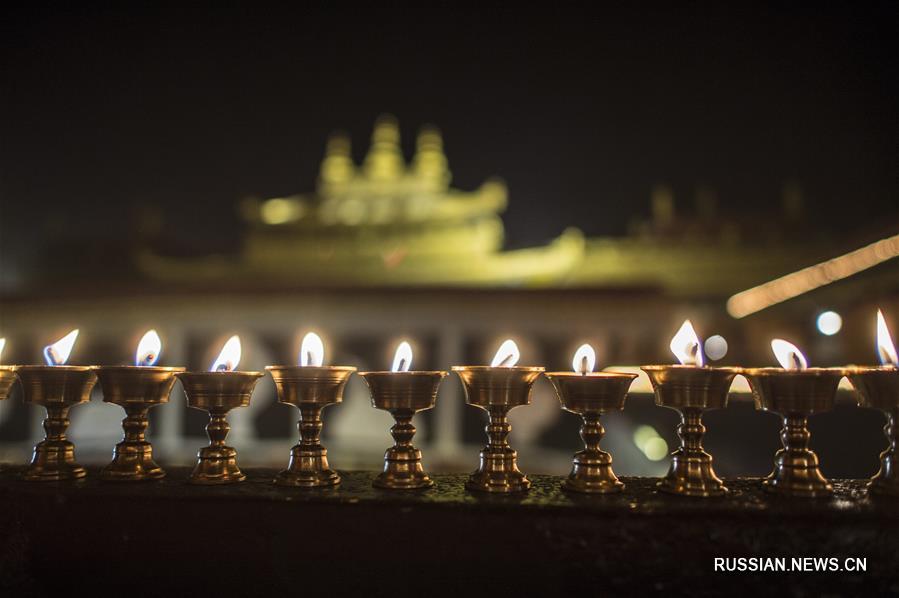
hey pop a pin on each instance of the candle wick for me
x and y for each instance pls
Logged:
(506, 361)
(223, 367)
(308, 357)
(694, 353)
(797, 363)
(50, 356)
(402, 365)
(584, 365)
(886, 357)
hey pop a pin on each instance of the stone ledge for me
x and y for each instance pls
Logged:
(255, 538)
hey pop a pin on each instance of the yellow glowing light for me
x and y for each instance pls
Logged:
(792, 285)
(655, 449)
(584, 359)
(58, 352)
(402, 359)
(640, 385)
(642, 434)
(280, 210)
(148, 349)
(229, 357)
(351, 211)
(2, 344)
(885, 347)
(740, 386)
(686, 346)
(788, 355)
(650, 443)
(312, 351)
(506, 356)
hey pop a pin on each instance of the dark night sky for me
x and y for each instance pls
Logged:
(107, 109)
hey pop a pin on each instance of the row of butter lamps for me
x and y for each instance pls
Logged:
(794, 391)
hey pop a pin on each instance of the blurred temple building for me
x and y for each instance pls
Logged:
(386, 250)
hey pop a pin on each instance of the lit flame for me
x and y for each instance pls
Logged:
(148, 349)
(885, 346)
(312, 351)
(506, 356)
(58, 352)
(402, 359)
(2, 344)
(229, 357)
(686, 346)
(788, 355)
(584, 359)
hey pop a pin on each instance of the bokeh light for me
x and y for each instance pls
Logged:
(829, 323)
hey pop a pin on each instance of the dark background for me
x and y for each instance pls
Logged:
(107, 111)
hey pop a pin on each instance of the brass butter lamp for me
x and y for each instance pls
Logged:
(590, 394)
(497, 389)
(878, 388)
(690, 389)
(217, 392)
(136, 389)
(795, 391)
(310, 387)
(7, 375)
(56, 387)
(403, 393)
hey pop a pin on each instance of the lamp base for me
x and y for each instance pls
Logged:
(797, 475)
(54, 456)
(308, 468)
(498, 473)
(796, 471)
(216, 465)
(692, 475)
(403, 470)
(886, 481)
(592, 474)
(54, 461)
(801, 481)
(132, 462)
(592, 470)
(691, 472)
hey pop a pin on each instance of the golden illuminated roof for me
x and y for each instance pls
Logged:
(382, 222)
(383, 190)
(389, 222)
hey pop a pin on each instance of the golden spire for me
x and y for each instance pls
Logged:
(385, 158)
(429, 162)
(337, 167)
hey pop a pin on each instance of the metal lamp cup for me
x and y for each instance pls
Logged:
(7, 379)
(218, 393)
(403, 394)
(497, 390)
(310, 389)
(136, 389)
(690, 390)
(794, 395)
(591, 395)
(878, 388)
(57, 388)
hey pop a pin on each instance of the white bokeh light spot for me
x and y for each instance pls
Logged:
(829, 323)
(716, 347)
